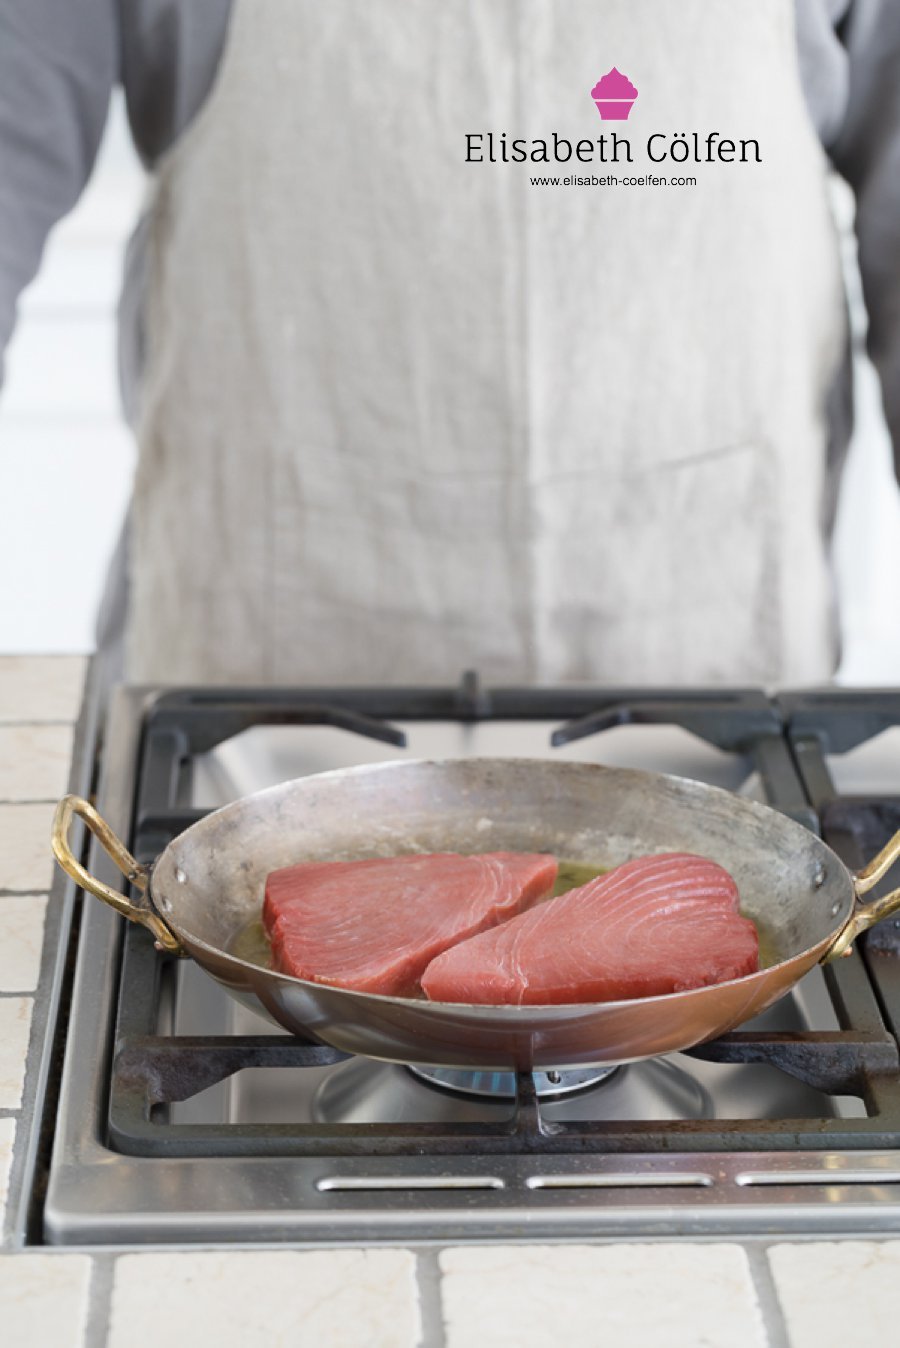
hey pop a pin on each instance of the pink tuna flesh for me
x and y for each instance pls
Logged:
(655, 925)
(374, 926)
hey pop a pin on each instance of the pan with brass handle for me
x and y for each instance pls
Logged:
(205, 891)
(139, 909)
(865, 915)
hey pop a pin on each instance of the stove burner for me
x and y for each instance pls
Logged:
(360, 1091)
(548, 1085)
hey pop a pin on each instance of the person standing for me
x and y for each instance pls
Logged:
(399, 413)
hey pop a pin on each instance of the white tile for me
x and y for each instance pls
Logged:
(79, 278)
(34, 761)
(322, 1299)
(21, 940)
(108, 209)
(15, 1022)
(636, 1296)
(41, 687)
(26, 863)
(838, 1293)
(64, 486)
(7, 1137)
(43, 1299)
(108, 212)
(64, 365)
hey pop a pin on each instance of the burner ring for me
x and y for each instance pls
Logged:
(548, 1085)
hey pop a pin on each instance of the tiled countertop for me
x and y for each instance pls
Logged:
(675, 1294)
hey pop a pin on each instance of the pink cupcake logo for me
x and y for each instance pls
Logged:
(614, 94)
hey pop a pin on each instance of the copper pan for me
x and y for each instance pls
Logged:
(208, 884)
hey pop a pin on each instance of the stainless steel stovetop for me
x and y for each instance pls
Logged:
(360, 1150)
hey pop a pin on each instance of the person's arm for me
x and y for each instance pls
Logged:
(867, 153)
(59, 60)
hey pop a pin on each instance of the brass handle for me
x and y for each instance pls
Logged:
(865, 915)
(117, 852)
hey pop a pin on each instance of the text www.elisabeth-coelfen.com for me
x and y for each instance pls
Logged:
(610, 180)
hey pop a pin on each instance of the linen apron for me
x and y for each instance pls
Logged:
(405, 414)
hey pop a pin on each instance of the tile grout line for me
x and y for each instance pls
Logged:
(766, 1294)
(18, 1108)
(6, 1202)
(431, 1308)
(29, 800)
(33, 720)
(99, 1301)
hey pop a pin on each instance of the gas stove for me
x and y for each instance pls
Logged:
(180, 1116)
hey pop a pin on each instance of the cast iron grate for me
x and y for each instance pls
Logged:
(151, 1071)
(821, 724)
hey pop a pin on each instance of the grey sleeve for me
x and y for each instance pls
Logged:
(59, 60)
(867, 153)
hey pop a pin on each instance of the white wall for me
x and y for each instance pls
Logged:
(867, 536)
(66, 459)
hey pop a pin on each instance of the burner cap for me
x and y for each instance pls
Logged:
(502, 1085)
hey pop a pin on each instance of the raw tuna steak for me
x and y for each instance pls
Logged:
(375, 925)
(658, 924)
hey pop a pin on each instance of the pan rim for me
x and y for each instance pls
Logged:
(516, 1011)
